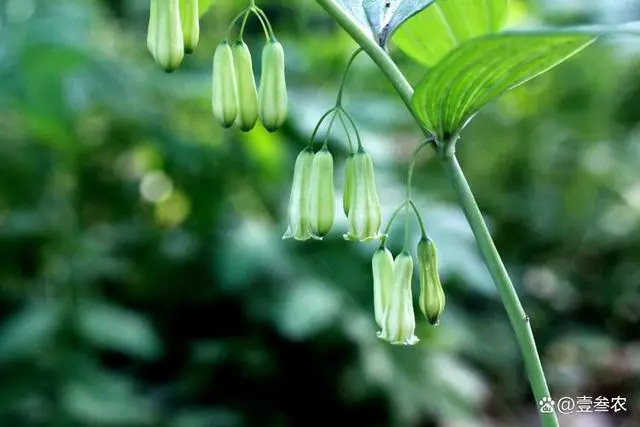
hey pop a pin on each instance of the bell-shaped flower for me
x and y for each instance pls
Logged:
(299, 226)
(382, 268)
(348, 183)
(398, 320)
(364, 215)
(190, 18)
(224, 88)
(432, 298)
(272, 93)
(321, 194)
(169, 43)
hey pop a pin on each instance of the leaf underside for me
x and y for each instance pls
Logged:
(428, 36)
(380, 18)
(482, 69)
(356, 10)
(384, 17)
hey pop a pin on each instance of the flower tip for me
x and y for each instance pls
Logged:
(354, 238)
(412, 340)
(289, 235)
(377, 236)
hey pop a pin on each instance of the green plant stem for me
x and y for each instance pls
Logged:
(345, 74)
(423, 229)
(353, 125)
(346, 131)
(517, 316)
(264, 21)
(244, 23)
(387, 228)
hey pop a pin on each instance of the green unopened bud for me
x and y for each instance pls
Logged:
(299, 227)
(348, 183)
(273, 88)
(224, 99)
(153, 27)
(364, 216)
(431, 293)
(247, 92)
(398, 321)
(382, 268)
(321, 194)
(169, 44)
(190, 18)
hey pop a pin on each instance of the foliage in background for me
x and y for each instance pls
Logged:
(144, 282)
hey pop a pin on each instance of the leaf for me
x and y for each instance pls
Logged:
(203, 6)
(482, 69)
(29, 330)
(428, 36)
(106, 399)
(114, 328)
(385, 17)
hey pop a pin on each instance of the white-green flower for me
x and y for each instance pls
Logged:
(169, 42)
(431, 298)
(382, 268)
(348, 183)
(321, 194)
(299, 226)
(364, 214)
(398, 320)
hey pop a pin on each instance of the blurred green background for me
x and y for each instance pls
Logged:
(144, 282)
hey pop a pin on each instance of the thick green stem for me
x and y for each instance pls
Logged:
(518, 318)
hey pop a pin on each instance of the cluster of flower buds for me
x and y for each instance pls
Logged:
(392, 296)
(311, 215)
(312, 201)
(174, 29)
(236, 100)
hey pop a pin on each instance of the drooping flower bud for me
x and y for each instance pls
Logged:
(348, 183)
(273, 88)
(364, 216)
(247, 92)
(224, 98)
(382, 268)
(321, 194)
(431, 293)
(398, 321)
(169, 44)
(190, 18)
(299, 227)
(153, 27)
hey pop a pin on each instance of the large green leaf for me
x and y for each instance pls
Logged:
(482, 69)
(428, 36)
(203, 6)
